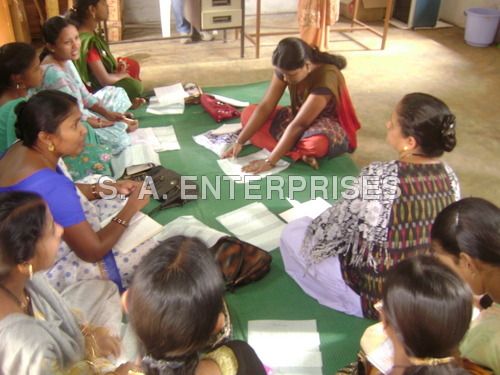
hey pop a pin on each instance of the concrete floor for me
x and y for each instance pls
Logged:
(432, 61)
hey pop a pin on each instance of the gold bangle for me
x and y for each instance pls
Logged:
(94, 191)
(117, 220)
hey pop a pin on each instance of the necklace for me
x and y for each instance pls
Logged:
(25, 306)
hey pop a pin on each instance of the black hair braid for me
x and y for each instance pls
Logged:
(18, 128)
(324, 57)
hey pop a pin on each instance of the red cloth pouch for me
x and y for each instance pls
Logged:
(218, 110)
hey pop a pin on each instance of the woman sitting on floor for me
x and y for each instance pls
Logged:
(466, 237)
(340, 258)
(20, 73)
(97, 65)
(105, 110)
(321, 120)
(173, 284)
(49, 128)
(426, 310)
(39, 333)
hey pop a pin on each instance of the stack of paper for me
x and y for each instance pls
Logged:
(191, 227)
(169, 100)
(312, 209)
(289, 347)
(133, 155)
(232, 167)
(160, 139)
(254, 224)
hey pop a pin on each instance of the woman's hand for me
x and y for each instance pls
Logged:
(232, 151)
(98, 123)
(105, 343)
(257, 166)
(138, 198)
(126, 187)
(122, 66)
(132, 124)
(127, 368)
(115, 116)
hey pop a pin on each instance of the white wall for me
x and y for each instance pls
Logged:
(145, 11)
(453, 10)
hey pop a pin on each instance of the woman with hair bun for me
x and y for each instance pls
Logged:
(321, 120)
(340, 257)
(49, 127)
(175, 306)
(466, 237)
(97, 66)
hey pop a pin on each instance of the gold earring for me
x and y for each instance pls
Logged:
(51, 147)
(30, 271)
(405, 148)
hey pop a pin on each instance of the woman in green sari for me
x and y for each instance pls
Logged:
(97, 66)
(20, 76)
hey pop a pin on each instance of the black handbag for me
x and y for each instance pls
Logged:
(165, 185)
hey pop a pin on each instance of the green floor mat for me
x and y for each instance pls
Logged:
(276, 296)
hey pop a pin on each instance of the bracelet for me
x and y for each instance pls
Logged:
(94, 191)
(117, 220)
(270, 163)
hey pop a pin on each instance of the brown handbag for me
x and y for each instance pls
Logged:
(240, 262)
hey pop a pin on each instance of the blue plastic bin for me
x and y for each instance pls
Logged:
(481, 26)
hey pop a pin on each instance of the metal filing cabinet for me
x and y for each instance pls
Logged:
(417, 13)
(214, 14)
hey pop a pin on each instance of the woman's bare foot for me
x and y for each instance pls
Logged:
(137, 102)
(311, 161)
(133, 125)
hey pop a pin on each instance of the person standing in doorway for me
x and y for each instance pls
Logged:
(184, 28)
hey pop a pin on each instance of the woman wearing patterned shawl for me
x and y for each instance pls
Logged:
(340, 258)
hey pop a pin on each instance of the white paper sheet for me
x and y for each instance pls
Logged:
(232, 167)
(255, 224)
(216, 143)
(170, 94)
(312, 209)
(133, 155)
(145, 136)
(382, 357)
(167, 138)
(287, 346)
(191, 227)
(231, 101)
(141, 228)
(227, 128)
(157, 108)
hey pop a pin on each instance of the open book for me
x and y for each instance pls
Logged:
(133, 155)
(141, 228)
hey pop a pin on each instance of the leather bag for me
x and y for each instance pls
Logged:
(167, 185)
(240, 262)
(217, 109)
